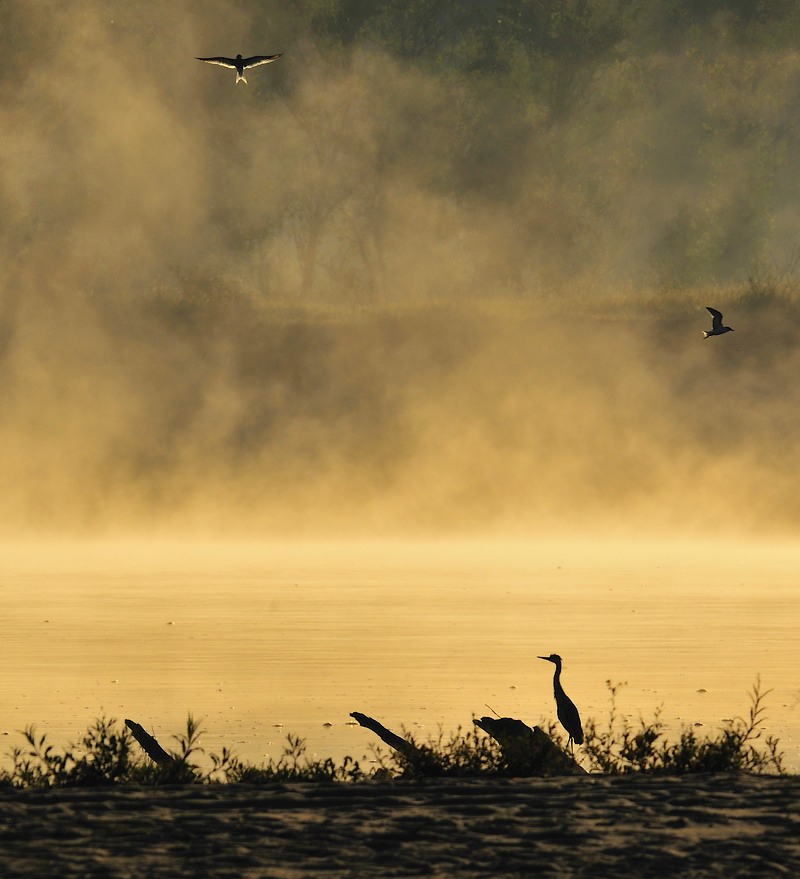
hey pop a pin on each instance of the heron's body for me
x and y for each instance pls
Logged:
(240, 64)
(565, 707)
(717, 329)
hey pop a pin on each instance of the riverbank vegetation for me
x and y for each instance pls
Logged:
(108, 754)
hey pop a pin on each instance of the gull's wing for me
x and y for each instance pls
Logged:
(222, 62)
(257, 60)
(716, 317)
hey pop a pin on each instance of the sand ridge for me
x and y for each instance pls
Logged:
(725, 825)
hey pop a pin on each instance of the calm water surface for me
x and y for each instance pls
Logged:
(264, 639)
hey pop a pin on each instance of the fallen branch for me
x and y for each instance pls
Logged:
(392, 739)
(419, 760)
(149, 744)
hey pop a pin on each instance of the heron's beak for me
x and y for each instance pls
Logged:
(546, 658)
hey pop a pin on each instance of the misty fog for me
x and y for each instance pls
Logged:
(398, 282)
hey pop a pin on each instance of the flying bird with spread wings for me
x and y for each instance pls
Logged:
(240, 64)
(717, 329)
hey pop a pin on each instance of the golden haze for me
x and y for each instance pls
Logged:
(267, 309)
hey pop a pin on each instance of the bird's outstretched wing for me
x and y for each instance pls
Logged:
(257, 60)
(222, 62)
(716, 317)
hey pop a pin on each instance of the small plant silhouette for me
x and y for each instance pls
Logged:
(620, 748)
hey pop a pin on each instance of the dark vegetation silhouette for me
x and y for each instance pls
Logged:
(622, 748)
(108, 754)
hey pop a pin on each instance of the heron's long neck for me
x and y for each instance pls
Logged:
(557, 678)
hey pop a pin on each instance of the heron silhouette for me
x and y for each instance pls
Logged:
(565, 707)
(717, 329)
(240, 64)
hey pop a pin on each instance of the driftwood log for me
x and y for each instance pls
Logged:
(149, 744)
(528, 750)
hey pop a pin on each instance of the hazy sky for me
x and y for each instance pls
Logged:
(359, 294)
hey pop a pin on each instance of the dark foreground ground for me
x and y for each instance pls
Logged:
(728, 825)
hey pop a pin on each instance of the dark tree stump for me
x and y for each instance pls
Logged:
(528, 751)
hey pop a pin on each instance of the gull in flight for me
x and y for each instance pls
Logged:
(716, 324)
(240, 64)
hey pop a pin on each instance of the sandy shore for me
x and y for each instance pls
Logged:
(729, 825)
